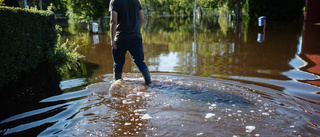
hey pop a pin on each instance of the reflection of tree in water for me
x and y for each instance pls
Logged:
(276, 52)
(226, 47)
(25, 93)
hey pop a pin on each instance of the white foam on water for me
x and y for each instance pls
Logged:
(209, 115)
(249, 129)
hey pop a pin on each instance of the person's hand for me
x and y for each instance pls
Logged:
(113, 44)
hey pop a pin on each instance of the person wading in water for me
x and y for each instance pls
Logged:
(125, 24)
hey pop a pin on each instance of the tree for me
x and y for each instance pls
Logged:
(1, 2)
(236, 6)
(212, 4)
(58, 6)
(87, 10)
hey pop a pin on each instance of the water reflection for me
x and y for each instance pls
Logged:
(212, 46)
(217, 49)
(23, 95)
(38, 99)
(310, 53)
(26, 91)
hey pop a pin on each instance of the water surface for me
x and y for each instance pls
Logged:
(214, 77)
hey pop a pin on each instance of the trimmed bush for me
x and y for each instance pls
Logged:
(27, 38)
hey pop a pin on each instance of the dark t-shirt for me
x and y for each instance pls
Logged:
(128, 26)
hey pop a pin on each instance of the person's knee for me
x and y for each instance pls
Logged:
(141, 65)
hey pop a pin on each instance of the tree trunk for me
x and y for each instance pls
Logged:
(238, 9)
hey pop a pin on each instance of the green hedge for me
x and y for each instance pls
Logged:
(277, 10)
(27, 38)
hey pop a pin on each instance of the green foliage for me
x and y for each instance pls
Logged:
(279, 10)
(68, 50)
(28, 38)
(181, 7)
(236, 6)
(2, 3)
(92, 10)
(87, 10)
(58, 6)
(170, 7)
(212, 4)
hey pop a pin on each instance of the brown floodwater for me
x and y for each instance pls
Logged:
(211, 77)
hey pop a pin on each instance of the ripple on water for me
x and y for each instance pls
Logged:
(178, 105)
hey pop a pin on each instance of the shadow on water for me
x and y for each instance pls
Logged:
(39, 98)
(24, 94)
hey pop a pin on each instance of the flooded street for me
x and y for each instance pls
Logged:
(212, 77)
(179, 105)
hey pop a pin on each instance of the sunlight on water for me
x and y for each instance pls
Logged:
(71, 83)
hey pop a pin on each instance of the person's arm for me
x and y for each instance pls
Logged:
(141, 18)
(113, 25)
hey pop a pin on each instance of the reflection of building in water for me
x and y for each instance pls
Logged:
(95, 39)
(310, 52)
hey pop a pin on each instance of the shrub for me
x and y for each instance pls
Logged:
(27, 38)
